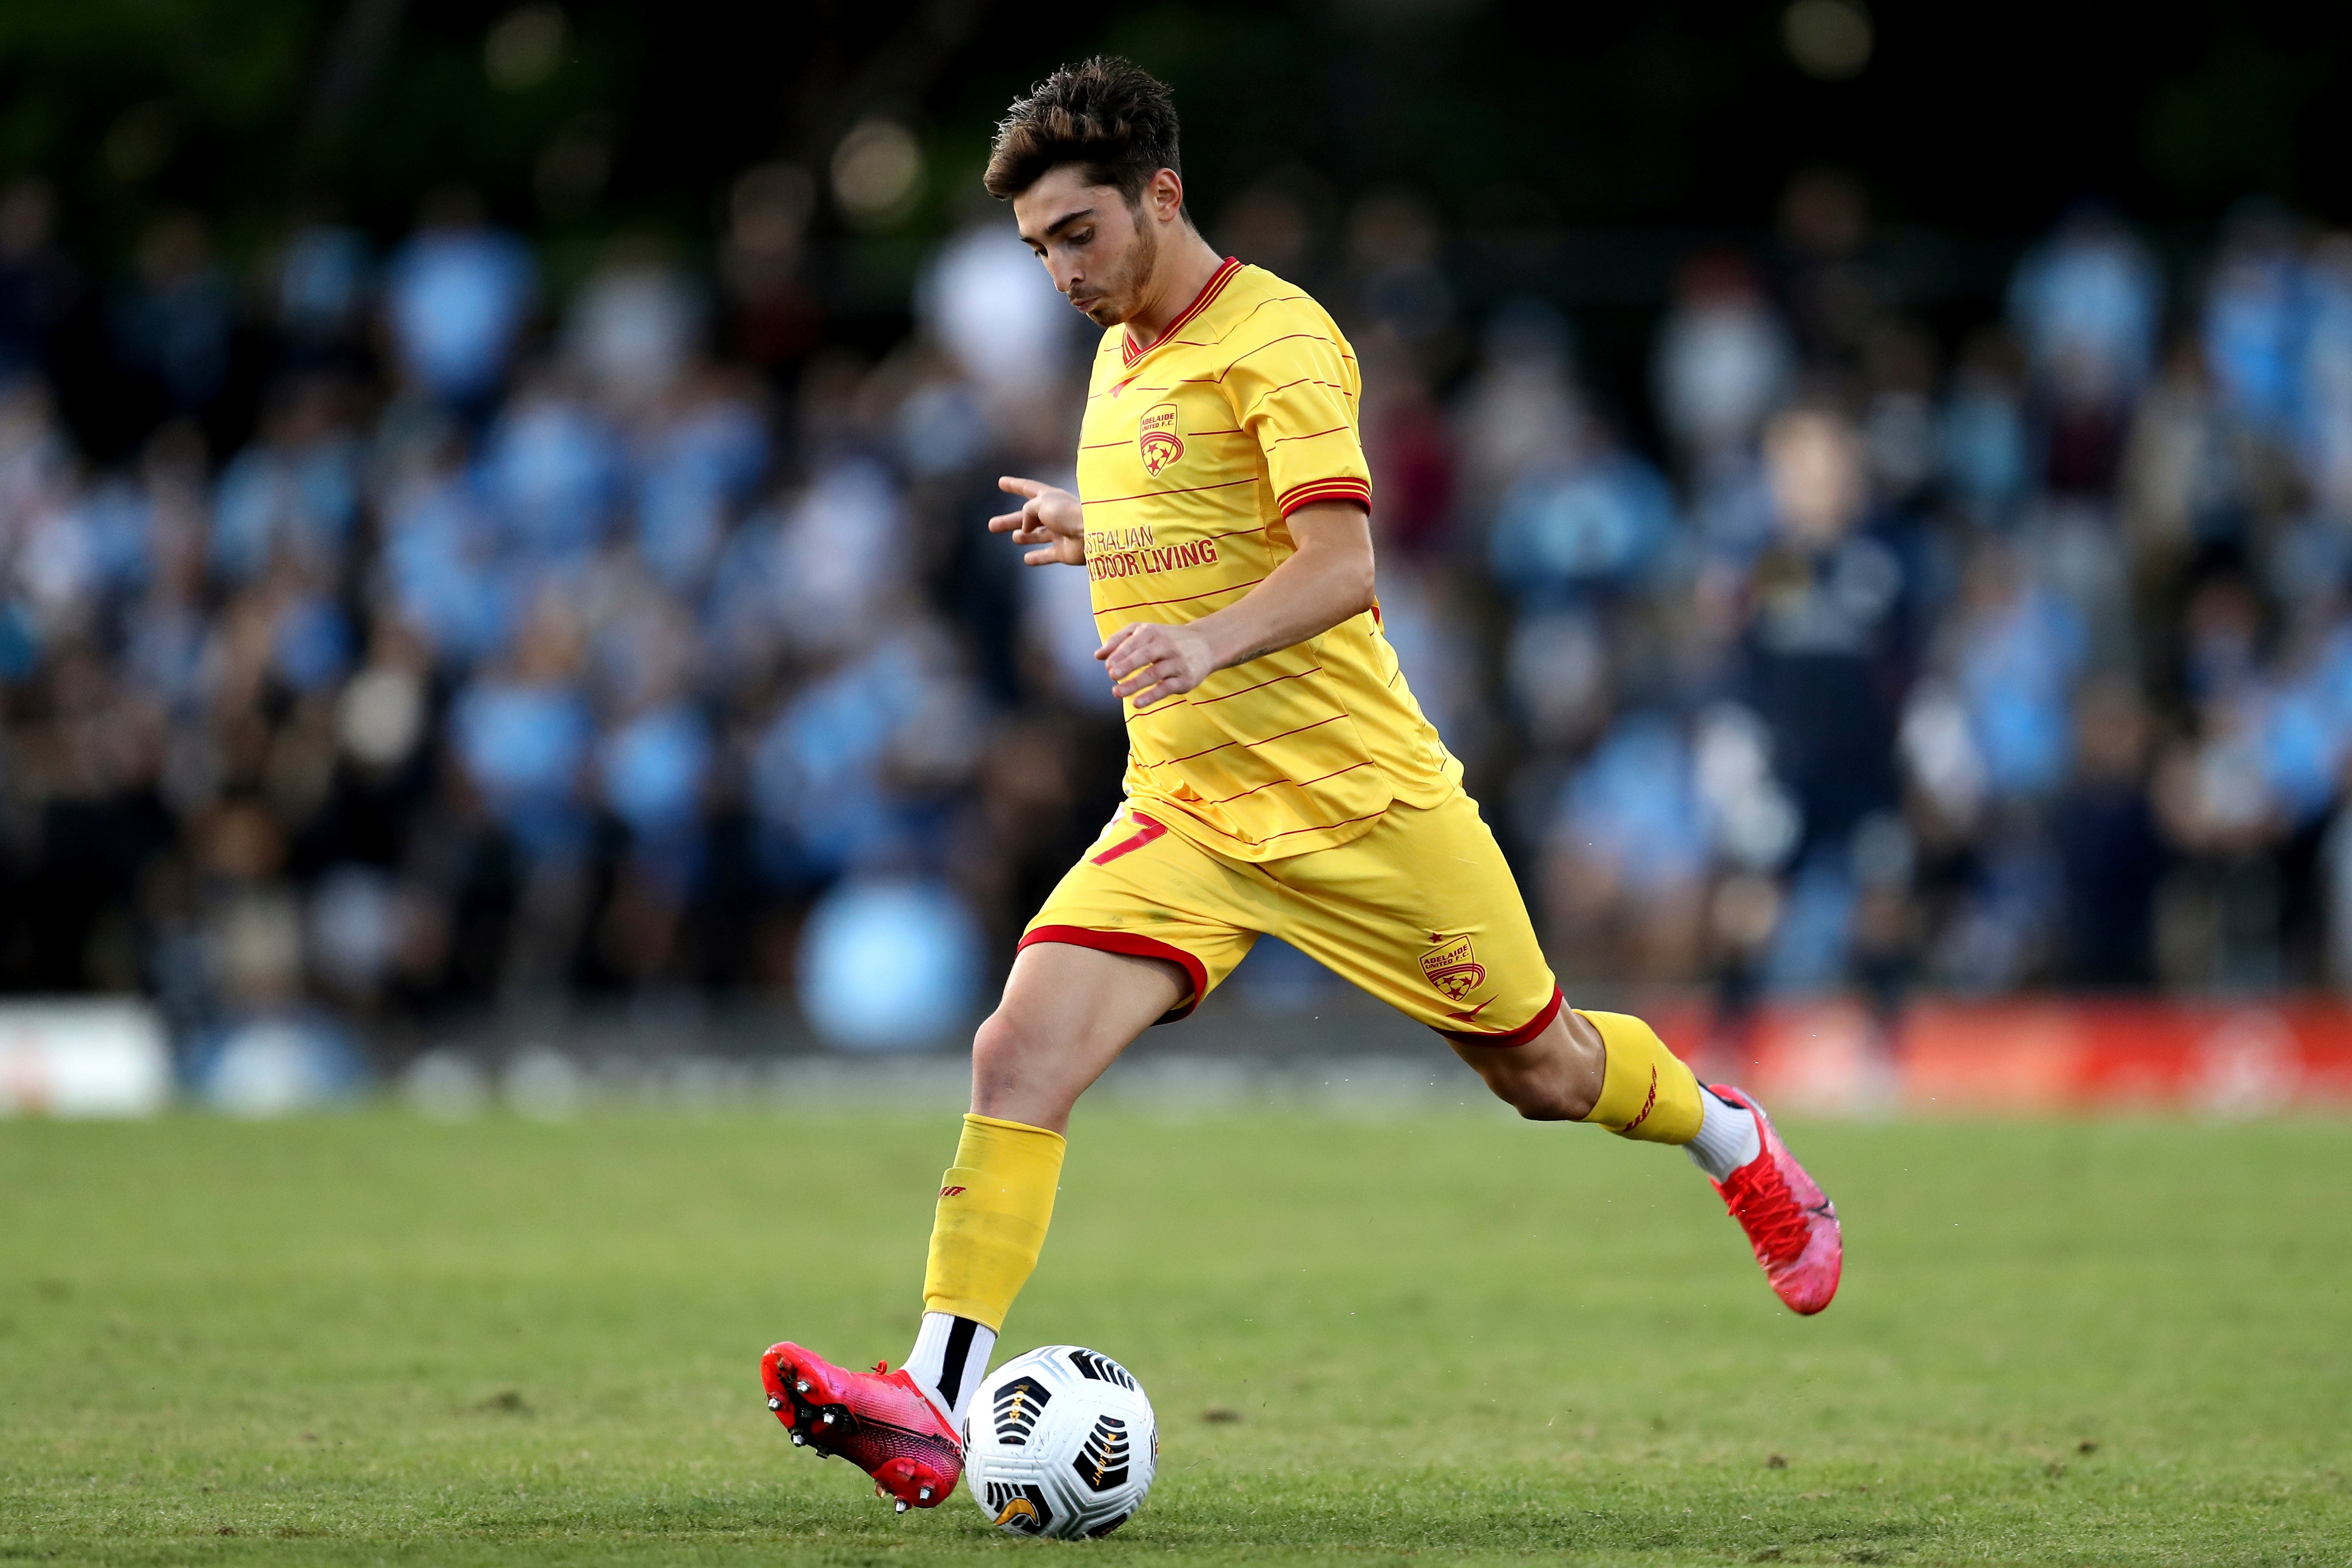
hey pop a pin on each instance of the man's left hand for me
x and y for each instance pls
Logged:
(1151, 662)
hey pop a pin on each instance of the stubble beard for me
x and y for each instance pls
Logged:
(1130, 283)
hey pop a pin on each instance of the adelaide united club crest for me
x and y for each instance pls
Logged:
(1454, 968)
(1156, 440)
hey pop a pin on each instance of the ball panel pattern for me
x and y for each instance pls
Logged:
(1061, 1443)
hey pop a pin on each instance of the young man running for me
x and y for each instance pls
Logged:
(1281, 779)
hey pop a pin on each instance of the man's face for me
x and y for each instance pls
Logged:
(1098, 249)
(1813, 464)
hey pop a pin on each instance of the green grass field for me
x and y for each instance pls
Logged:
(1454, 1336)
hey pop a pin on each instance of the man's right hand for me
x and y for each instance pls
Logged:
(1049, 519)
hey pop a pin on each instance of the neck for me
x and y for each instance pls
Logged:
(1185, 264)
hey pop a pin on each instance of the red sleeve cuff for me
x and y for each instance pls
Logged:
(1357, 490)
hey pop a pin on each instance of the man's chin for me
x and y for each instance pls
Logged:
(1101, 313)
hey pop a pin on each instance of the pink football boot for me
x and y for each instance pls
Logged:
(878, 1421)
(1790, 1222)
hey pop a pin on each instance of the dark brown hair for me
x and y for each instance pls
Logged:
(1110, 115)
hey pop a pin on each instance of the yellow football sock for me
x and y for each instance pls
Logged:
(1646, 1092)
(995, 1203)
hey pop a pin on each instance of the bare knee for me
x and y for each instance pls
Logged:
(1537, 1096)
(1013, 1076)
(1555, 1077)
(999, 1048)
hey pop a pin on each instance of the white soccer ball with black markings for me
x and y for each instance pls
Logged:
(1060, 1441)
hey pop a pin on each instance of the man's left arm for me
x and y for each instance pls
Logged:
(1327, 580)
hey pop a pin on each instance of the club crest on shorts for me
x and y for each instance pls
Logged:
(1156, 438)
(1454, 968)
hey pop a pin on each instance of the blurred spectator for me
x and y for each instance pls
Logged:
(1826, 655)
(174, 323)
(294, 494)
(549, 474)
(2017, 647)
(1393, 252)
(698, 464)
(1581, 526)
(521, 735)
(2085, 306)
(323, 282)
(1521, 407)
(457, 296)
(2108, 840)
(2326, 367)
(633, 328)
(1829, 632)
(996, 312)
(1629, 856)
(1983, 438)
(1724, 362)
(1411, 449)
(2254, 323)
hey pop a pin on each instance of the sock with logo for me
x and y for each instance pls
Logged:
(995, 1203)
(949, 1358)
(1646, 1092)
(1727, 1136)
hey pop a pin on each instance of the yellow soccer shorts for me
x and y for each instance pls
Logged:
(1422, 911)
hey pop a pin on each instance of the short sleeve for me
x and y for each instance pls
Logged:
(1295, 392)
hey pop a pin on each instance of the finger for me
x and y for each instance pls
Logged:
(1134, 655)
(1116, 639)
(1046, 557)
(1014, 486)
(1139, 675)
(1005, 521)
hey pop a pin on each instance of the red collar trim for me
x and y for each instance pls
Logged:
(1129, 351)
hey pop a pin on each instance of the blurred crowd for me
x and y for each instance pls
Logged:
(454, 640)
(2029, 665)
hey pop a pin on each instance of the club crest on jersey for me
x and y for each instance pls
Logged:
(1454, 968)
(1156, 438)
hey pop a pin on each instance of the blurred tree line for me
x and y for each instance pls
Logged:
(1985, 115)
(574, 119)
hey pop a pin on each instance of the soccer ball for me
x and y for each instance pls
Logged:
(1060, 1441)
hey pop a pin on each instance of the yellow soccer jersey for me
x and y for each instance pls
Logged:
(1193, 452)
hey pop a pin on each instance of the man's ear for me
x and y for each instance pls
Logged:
(1166, 194)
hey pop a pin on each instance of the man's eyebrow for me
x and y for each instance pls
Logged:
(1059, 223)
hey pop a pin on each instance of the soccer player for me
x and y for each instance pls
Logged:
(1281, 779)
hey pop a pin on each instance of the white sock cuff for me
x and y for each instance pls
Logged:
(949, 1361)
(1727, 1136)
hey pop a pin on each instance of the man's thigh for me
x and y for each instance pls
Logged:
(1144, 891)
(1067, 1014)
(1423, 913)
